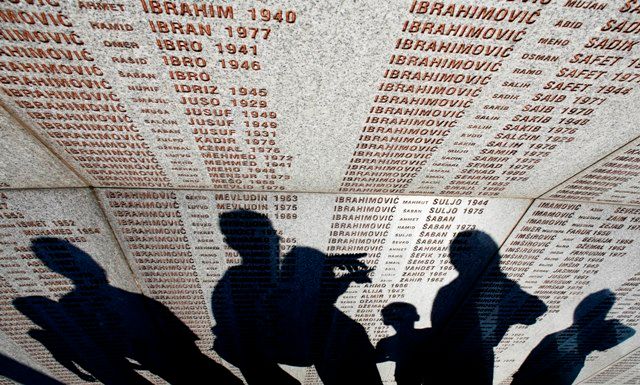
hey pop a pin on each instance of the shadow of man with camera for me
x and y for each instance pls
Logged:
(271, 310)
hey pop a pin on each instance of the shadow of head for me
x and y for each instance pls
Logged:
(595, 332)
(470, 250)
(400, 315)
(68, 260)
(594, 307)
(249, 233)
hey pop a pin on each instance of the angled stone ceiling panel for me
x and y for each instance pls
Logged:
(624, 371)
(566, 253)
(614, 179)
(452, 98)
(26, 163)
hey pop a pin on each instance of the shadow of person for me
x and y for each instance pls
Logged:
(311, 329)
(407, 347)
(559, 357)
(471, 315)
(22, 374)
(243, 298)
(269, 313)
(104, 333)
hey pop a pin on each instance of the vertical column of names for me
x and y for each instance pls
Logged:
(119, 45)
(436, 71)
(361, 224)
(54, 81)
(571, 93)
(213, 58)
(151, 227)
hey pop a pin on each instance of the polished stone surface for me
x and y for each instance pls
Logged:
(614, 179)
(26, 163)
(563, 252)
(483, 155)
(28, 215)
(505, 100)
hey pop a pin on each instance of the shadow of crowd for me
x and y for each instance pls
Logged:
(273, 310)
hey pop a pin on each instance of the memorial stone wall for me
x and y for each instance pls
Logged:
(475, 161)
